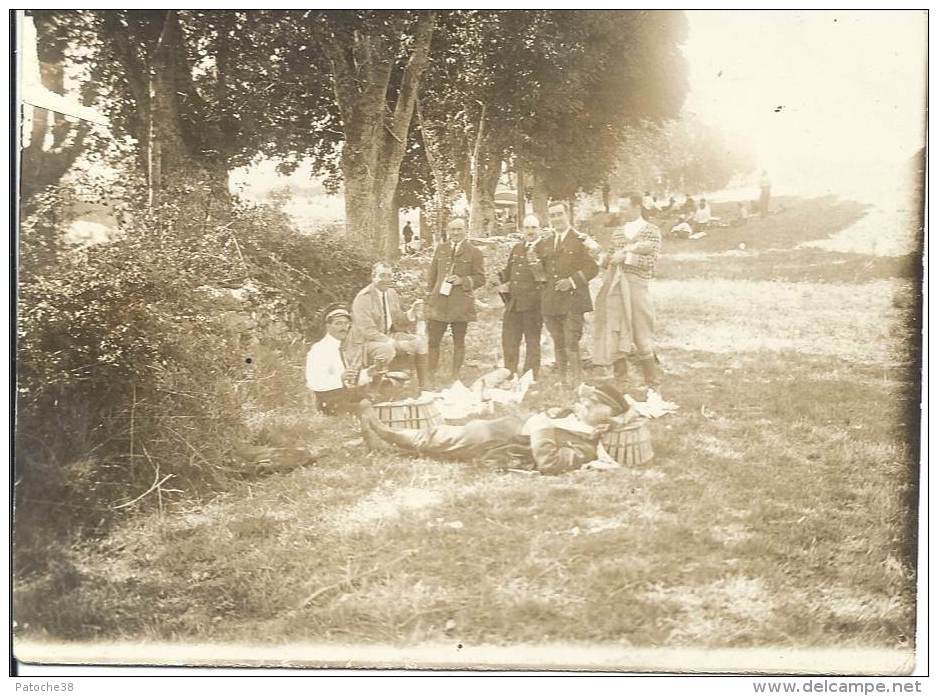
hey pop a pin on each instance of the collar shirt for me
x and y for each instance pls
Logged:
(325, 365)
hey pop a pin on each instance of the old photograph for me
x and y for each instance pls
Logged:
(523, 339)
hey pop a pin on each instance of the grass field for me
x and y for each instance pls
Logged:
(779, 510)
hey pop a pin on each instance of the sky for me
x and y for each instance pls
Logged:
(829, 101)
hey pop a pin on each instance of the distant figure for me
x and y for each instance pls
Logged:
(647, 200)
(408, 234)
(702, 216)
(690, 206)
(742, 213)
(765, 193)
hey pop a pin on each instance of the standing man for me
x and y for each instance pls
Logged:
(638, 259)
(408, 234)
(381, 329)
(522, 280)
(456, 270)
(568, 268)
(765, 193)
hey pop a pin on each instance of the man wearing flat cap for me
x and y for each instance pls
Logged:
(521, 282)
(336, 385)
(552, 442)
(456, 271)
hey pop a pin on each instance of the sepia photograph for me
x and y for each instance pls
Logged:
(469, 339)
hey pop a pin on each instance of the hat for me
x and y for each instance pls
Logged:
(606, 394)
(456, 223)
(336, 309)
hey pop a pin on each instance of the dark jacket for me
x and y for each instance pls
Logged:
(521, 272)
(467, 263)
(570, 260)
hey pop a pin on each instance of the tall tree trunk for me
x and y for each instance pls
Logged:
(375, 126)
(160, 82)
(43, 166)
(520, 209)
(476, 168)
(394, 230)
(539, 198)
(444, 186)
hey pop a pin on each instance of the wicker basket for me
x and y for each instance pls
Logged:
(408, 415)
(630, 445)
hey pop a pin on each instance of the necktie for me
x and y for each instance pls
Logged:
(556, 240)
(387, 311)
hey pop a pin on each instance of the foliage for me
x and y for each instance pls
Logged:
(683, 154)
(135, 355)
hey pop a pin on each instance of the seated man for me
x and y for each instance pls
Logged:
(378, 324)
(336, 386)
(554, 442)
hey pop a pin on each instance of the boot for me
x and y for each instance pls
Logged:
(650, 373)
(421, 367)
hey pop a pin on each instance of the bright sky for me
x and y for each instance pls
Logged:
(850, 84)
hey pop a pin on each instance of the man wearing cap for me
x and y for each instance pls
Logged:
(381, 329)
(520, 282)
(568, 268)
(456, 270)
(552, 442)
(336, 385)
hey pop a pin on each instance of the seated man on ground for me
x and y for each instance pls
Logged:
(553, 442)
(336, 386)
(381, 330)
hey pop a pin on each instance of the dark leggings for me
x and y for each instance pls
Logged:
(435, 331)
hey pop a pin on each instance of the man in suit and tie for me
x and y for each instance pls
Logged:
(568, 268)
(521, 282)
(456, 271)
(381, 329)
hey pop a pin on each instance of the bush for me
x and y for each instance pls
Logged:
(135, 358)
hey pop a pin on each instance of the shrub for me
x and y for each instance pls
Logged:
(134, 357)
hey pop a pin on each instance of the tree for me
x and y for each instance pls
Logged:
(43, 166)
(551, 91)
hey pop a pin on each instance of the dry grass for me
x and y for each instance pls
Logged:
(778, 511)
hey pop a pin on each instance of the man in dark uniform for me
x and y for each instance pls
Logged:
(456, 270)
(553, 442)
(568, 269)
(521, 282)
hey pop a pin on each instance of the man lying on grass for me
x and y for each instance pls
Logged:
(553, 442)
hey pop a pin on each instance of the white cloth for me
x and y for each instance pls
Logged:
(325, 365)
(702, 215)
(634, 227)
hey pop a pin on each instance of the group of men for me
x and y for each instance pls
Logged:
(545, 282)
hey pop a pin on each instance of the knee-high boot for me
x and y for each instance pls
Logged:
(421, 367)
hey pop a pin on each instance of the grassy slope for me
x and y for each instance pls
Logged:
(777, 510)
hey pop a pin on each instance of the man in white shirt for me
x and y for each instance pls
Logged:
(336, 386)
